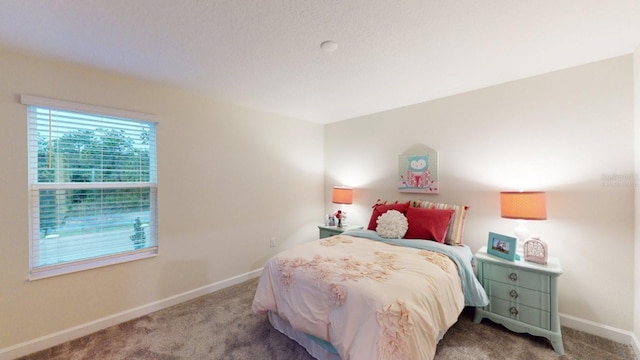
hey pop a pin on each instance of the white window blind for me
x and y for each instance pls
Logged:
(93, 186)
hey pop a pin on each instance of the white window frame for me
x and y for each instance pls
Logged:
(39, 272)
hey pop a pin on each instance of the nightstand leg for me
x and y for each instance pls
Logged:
(477, 316)
(556, 342)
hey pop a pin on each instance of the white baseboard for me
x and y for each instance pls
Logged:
(44, 342)
(75, 332)
(605, 331)
(636, 346)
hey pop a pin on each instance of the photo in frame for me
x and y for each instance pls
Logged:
(418, 170)
(502, 246)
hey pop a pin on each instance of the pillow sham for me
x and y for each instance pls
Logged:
(456, 226)
(392, 225)
(379, 209)
(428, 224)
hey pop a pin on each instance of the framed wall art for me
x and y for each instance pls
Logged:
(418, 170)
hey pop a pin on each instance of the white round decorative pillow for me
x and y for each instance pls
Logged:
(392, 225)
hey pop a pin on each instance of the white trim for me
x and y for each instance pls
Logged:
(75, 332)
(605, 331)
(92, 185)
(47, 341)
(47, 271)
(635, 344)
(93, 109)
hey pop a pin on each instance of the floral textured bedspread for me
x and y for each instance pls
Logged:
(368, 298)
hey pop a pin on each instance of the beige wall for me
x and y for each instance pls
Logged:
(562, 133)
(230, 178)
(559, 132)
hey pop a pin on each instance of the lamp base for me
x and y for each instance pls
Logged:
(522, 233)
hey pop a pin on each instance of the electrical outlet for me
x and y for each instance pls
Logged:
(272, 242)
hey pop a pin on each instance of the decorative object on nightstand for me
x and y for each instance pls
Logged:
(535, 250)
(523, 296)
(344, 196)
(326, 231)
(341, 216)
(523, 206)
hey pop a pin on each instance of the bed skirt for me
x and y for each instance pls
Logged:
(313, 347)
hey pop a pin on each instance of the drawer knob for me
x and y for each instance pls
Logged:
(513, 311)
(513, 276)
(513, 294)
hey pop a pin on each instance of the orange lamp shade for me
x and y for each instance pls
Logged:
(524, 205)
(342, 195)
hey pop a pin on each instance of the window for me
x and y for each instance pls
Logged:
(93, 186)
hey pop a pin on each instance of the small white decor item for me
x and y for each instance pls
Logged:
(392, 225)
(535, 250)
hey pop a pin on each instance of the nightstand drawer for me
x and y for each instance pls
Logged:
(519, 295)
(517, 277)
(325, 233)
(526, 314)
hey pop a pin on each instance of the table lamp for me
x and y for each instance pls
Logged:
(523, 206)
(344, 196)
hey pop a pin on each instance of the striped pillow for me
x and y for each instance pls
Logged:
(456, 227)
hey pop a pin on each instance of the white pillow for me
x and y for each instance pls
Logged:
(392, 225)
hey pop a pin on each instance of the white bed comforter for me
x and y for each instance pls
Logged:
(369, 299)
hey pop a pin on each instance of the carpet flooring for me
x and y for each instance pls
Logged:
(221, 326)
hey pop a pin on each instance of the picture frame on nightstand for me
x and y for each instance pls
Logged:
(502, 246)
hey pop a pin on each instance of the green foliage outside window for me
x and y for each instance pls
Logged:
(100, 155)
(138, 238)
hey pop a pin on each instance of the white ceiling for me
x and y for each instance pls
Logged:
(266, 54)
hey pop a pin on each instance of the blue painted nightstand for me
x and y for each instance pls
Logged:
(326, 231)
(523, 296)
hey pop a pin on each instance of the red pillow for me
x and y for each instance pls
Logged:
(381, 209)
(428, 224)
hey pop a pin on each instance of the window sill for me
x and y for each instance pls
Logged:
(67, 268)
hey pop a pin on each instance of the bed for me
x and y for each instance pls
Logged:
(362, 296)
